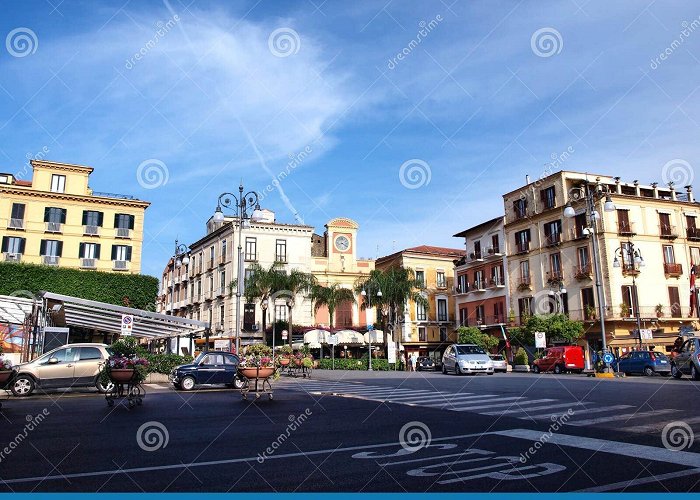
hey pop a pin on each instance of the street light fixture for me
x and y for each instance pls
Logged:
(241, 204)
(180, 257)
(558, 292)
(631, 260)
(367, 296)
(592, 194)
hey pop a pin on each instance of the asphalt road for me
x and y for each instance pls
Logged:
(352, 431)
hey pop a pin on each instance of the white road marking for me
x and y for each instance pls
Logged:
(538, 408)
(509, 404)
(427, 395)
(614, 418)
(600, 409)
(658, 426)
(640, 480)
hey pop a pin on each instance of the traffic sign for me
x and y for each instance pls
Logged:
(333, 339)
(646, 334)
(370, 328)
(540, 340)
(284, 334)
(127, 324)
(608, 357)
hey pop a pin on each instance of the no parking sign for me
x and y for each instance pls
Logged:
(127, 324)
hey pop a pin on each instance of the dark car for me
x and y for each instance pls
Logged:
(645, 362)
(424, 363)
(210, 368)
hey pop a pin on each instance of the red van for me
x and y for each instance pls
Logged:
(561, 359)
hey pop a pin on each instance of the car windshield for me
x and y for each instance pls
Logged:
(469, 349)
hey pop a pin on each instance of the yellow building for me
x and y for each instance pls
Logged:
(428, 331)
(56, 219)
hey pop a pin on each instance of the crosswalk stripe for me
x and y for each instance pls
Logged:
(613, 418)
(526, 410)
(599, 409)
(426, 395)
(509, 404)
(451, 400)
(658, 426)
(502, 403)
(388, 394)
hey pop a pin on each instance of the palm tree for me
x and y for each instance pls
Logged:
(261, 284)
(295, 283)
(330, 296)
(398, 286)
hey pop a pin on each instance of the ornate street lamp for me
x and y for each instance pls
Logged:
(241, 204)
(367, 296)
(180, 257)
(557, 290)
(592, 194)
(630, 260)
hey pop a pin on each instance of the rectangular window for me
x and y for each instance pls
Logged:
(222, 282)
(281, 251)
(58, 183)
(588, 301)
(251, 248)
(675, 300)
(552, 233)
(422, 336)
(669, 255)
(695, 255)
(50, 248)
(665, 228)
(123, 221)
(222, 315)
(525, 272)
(55, 215)
(498, 312)
(555, 266)
(580, 223)
(17, 216)
(442, 309)
(443, 334)
(211, 255)
(223, 251)
(121, 253)
(211, 283)
(692, 228)
(280, 312)
(477, 249)
(522, 241)
(89, 251)
(12, 245)
(497, 276)
(440, 279)
(421, 313)
(549, 197)
(92, 218)
(480, 316)
(479, 280)
(495, 245)
(462, 283)
(629, 300)
(623, 222)
(525, 307)
(463, 316)
(520, 208)
(420, 277)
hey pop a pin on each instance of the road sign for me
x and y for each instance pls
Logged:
(540, 340)
(333, 339)
(127, 324)
(370, 328)
(646, 334)
(222, 345)
(284, 334)
(391, 354)
(608, 358)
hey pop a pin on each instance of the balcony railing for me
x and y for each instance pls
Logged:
(522, 247)
(484, 321)
(16, 224)
(494, 251)
(577, 233)
(625, 229)
(120, 265)
(524, 283)
(88, 263)
(13, 257)
(282, 259)
(555, 277)
(583, 271)
(629, 269)
(668, 232)
(476, 256)
(551, 240)
(250, 257)
(91, 230)
(53, 227)
(122, 232)
(50, 260)
(497, 282)
(211, 264)
(693, 233)
(479, 286)
(673, 269)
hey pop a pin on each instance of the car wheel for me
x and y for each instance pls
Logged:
(238, 383)
(694, 373)
(675, 372)
(187, 383)
(648, 371)
(536, 369)
(444, 369)
(103, 387)
(457, 370)
(23, 386)
(558, 369)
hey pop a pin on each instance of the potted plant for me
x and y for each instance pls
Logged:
(5, 368)
(590, 312)
(520, 361)
(257, 362)
(624, 310)
(659, 310)
(285, 355)
(126, 364)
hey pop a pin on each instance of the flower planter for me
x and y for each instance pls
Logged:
(121, 375)
(5, 376)
(297, 362)
(252, 372)
(284, 361)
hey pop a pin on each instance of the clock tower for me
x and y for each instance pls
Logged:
(341, 237)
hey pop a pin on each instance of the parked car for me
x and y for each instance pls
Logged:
(500, 364)
(646, 362)
(424, 363)
(560, 359)
(687, 361)
(466, 358)
(210, 368)
(71, 365)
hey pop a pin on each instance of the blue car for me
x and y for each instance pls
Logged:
(644, 362)
(210, 368)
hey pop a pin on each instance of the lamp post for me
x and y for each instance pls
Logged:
(591, 198)
(631, 260)
(263, 306)
(240, 204)
(368, 296)
(180, 257)
(557, 293)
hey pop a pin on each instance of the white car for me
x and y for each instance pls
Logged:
(500, 364)
(466, 358)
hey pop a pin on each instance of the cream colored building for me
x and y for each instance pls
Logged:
(549, 253)
(428, 332)
(56, 219)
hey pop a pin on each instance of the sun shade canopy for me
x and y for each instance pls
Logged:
(108, 318)
(13, 310)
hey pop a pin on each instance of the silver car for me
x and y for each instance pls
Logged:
(687, 359)
(499, 363)
(466, 358)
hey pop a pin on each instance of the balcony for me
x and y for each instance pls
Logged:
(626, 229)
(221, 292)
(552, 240)
(122, 232)
(16, 224)
(479, 286)
(486, 321)
(50, 260)
(211, 264)
(673, 270)
(476, 256)
(13, 257)
(91, 230)
(88, 263)
(578, 233)
(120, 265)
(525, 283)
(693, 233)
(497, 282)
(494, 252)
(522, 247)
(555, 277)
(629, 269)
(668, 232)
(53, 227)
(583, 271)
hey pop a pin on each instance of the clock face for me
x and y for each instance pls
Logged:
(342, 243)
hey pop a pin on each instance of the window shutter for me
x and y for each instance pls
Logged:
(128, 254)
(527, 234)
(63, 215)
(114, 252)
(100, 218)
(97, 251)
(47, 212)
(22, 242)
(131, 222)
(42, 247)
(85, 216)
(116, 220)
(543, 195)
(5, 243)
(59, 249)
(81, 248)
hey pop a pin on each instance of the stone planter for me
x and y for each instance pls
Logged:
(121, 375)
(255, 372)
(521, 368)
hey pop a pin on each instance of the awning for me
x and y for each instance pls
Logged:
(349, 337)
(13, 309)
(108, 317)
(375, 336)
(314, 338)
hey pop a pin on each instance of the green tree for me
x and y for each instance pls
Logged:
(556, 326)
(295, 283)
(472, 335)
(399, 286)
(261, 284)
(330, 296)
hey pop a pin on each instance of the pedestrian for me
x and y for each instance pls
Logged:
(414, 361)
(410, 362)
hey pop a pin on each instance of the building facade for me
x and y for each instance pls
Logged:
(56, 219)
(551, 263)
(481, 281)
(428, 331)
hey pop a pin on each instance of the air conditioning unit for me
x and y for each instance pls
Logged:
(88, 263)
(54, 227)
(50, 260)
(13, 257)
(92, 230)
(120, 264)
(122, 232)
(16, 224)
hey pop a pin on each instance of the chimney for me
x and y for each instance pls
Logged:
(689, 190)
(673, 191)
(527, 180)
(655, 186)
(618, 187)
(637, 192)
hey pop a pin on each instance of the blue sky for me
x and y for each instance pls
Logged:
(226, 91)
